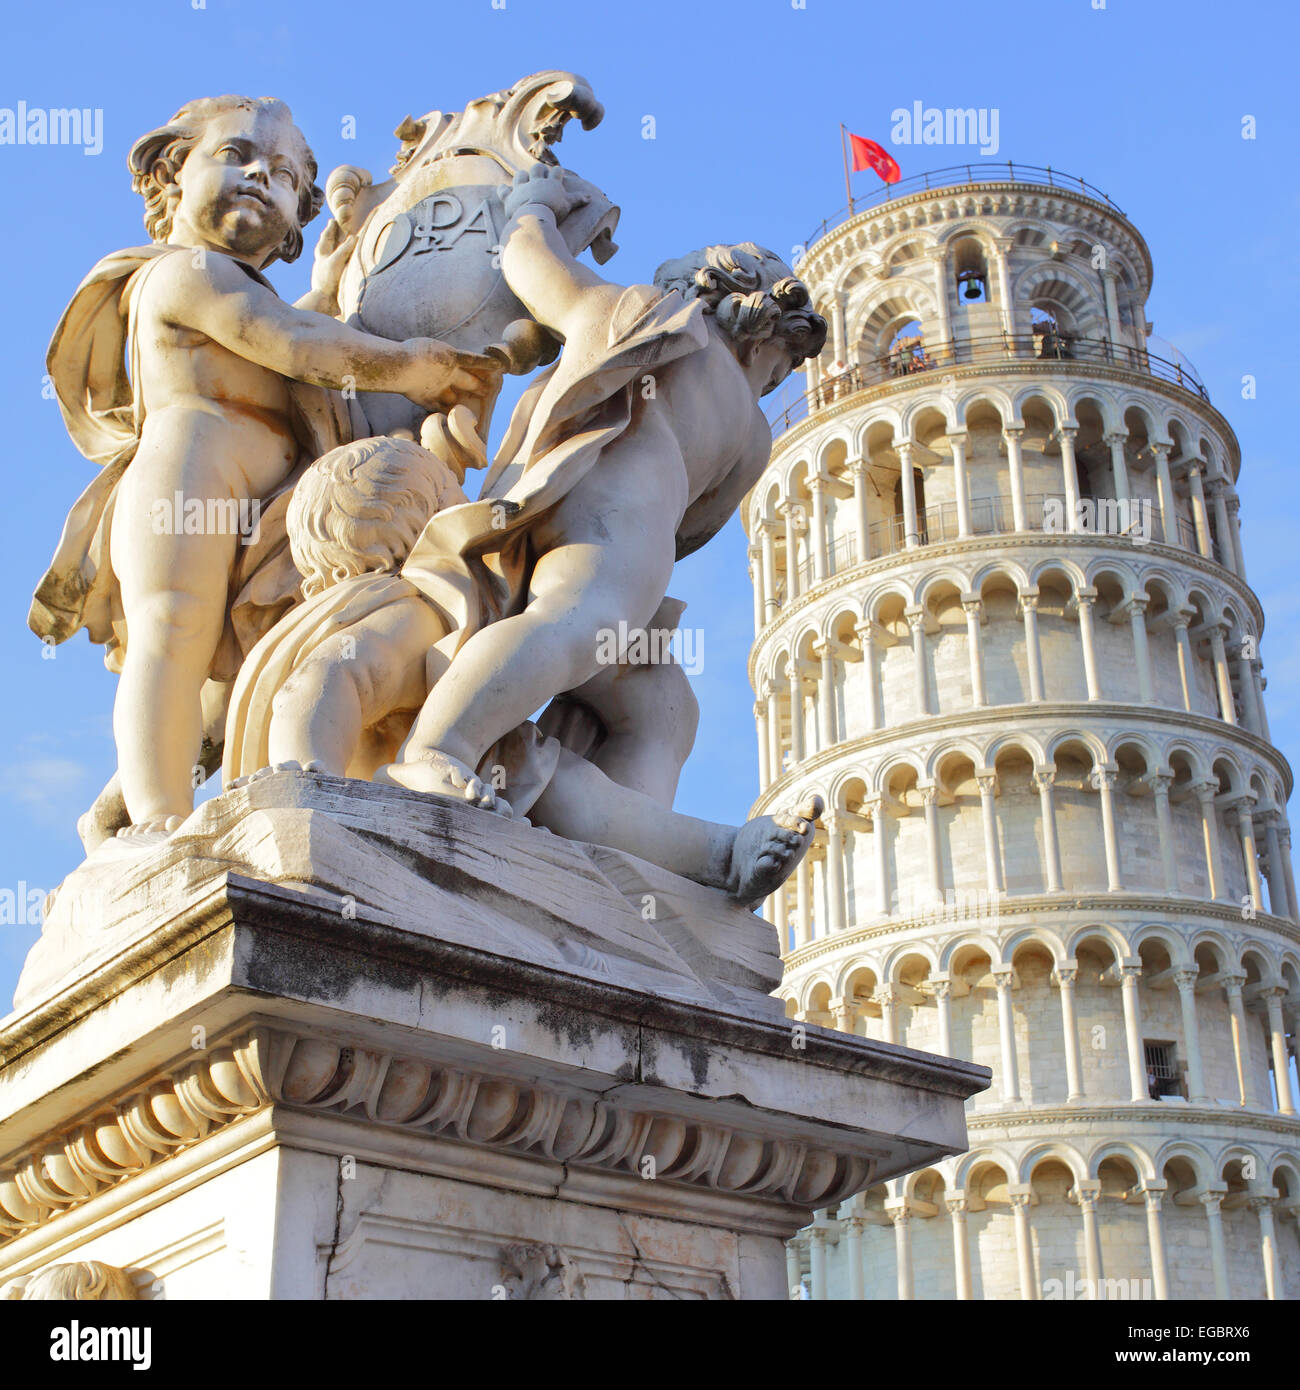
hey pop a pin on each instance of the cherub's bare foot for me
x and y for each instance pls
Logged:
(315, 765)
(767, 850)
(439, 774)
(145, 833)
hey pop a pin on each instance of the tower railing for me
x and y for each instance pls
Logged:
(992, 514)
(957, 174)
(1001, 347)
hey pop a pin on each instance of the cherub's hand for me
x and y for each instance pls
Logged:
(543, 184)
(441, 376)
(332, 254)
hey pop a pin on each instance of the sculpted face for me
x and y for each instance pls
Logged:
(240, 185)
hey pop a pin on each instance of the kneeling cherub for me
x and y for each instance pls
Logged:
(336, 684)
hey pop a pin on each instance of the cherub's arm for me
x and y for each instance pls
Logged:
(221, 301)
(553, 285)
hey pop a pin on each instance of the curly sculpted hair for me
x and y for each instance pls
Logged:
(169, 145)
(752, 293)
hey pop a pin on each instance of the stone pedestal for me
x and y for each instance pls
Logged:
(335, 1041)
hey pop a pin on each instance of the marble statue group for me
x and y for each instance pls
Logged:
(378, 623)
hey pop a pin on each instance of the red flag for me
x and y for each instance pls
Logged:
(868, 155)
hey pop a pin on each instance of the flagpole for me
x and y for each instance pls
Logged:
(848, 187)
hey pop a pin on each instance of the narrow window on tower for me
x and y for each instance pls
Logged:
(1163, 1076)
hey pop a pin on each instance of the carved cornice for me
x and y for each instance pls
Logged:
(269, 1067)
(929, 557)
(1123, 1116)
(1039, 909)
(1059, 715)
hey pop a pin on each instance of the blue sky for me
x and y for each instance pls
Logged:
(1143, 98)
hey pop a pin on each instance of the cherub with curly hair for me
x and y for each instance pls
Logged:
(334, 686)
(631, 452)
(181, 371)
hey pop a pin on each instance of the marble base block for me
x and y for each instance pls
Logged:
(454, 1064)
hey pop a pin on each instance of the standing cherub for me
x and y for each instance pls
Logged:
(220, 403)
(630, 453)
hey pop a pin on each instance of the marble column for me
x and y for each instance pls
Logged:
(916, 621)
(957, 1207)
(1245, 808)
(1033, 652)
(1016, 474)
(793, 1267)
(825, 654)
(794, 517)
(1084, 600)
(1087, 1195)
(1222, 680)
(1200, 517)
(1129, 976)
(960, 482)
(943, 1005)
(1277, 1041)
(1180, 619)
(771, 692)
(1070, 476)
(1186, 982)
(1137, 612)
(755, 554)
(911, 536)
(820, 557)
(888, 998)
(1153, 1194)
(1104, 780)
(1262, 1205)
(901, 1216)
(1020, 1200)
(794, 679)
(1119, 467)
(987, 780)
(760, 720)
(1044, 778)
(1002, 979)
(817, 1262)
(866, 636)
(1212, 1201)
(875, 807)
(1279, 900)
(1232, 987)
(1205, 794)
(1165, 495)
(1066, 976)
(835, 870)
(854, 1226)
(1160, 782)
(862, 516)
(1223, 527)
(768, 548)
(973, 607)
(934, 849)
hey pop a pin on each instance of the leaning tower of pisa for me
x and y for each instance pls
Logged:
(1004, 627)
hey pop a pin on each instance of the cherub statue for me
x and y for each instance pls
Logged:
(631, 452)
(222, 402)
(334, 686)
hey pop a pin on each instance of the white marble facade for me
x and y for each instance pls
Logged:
(1004, 627)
